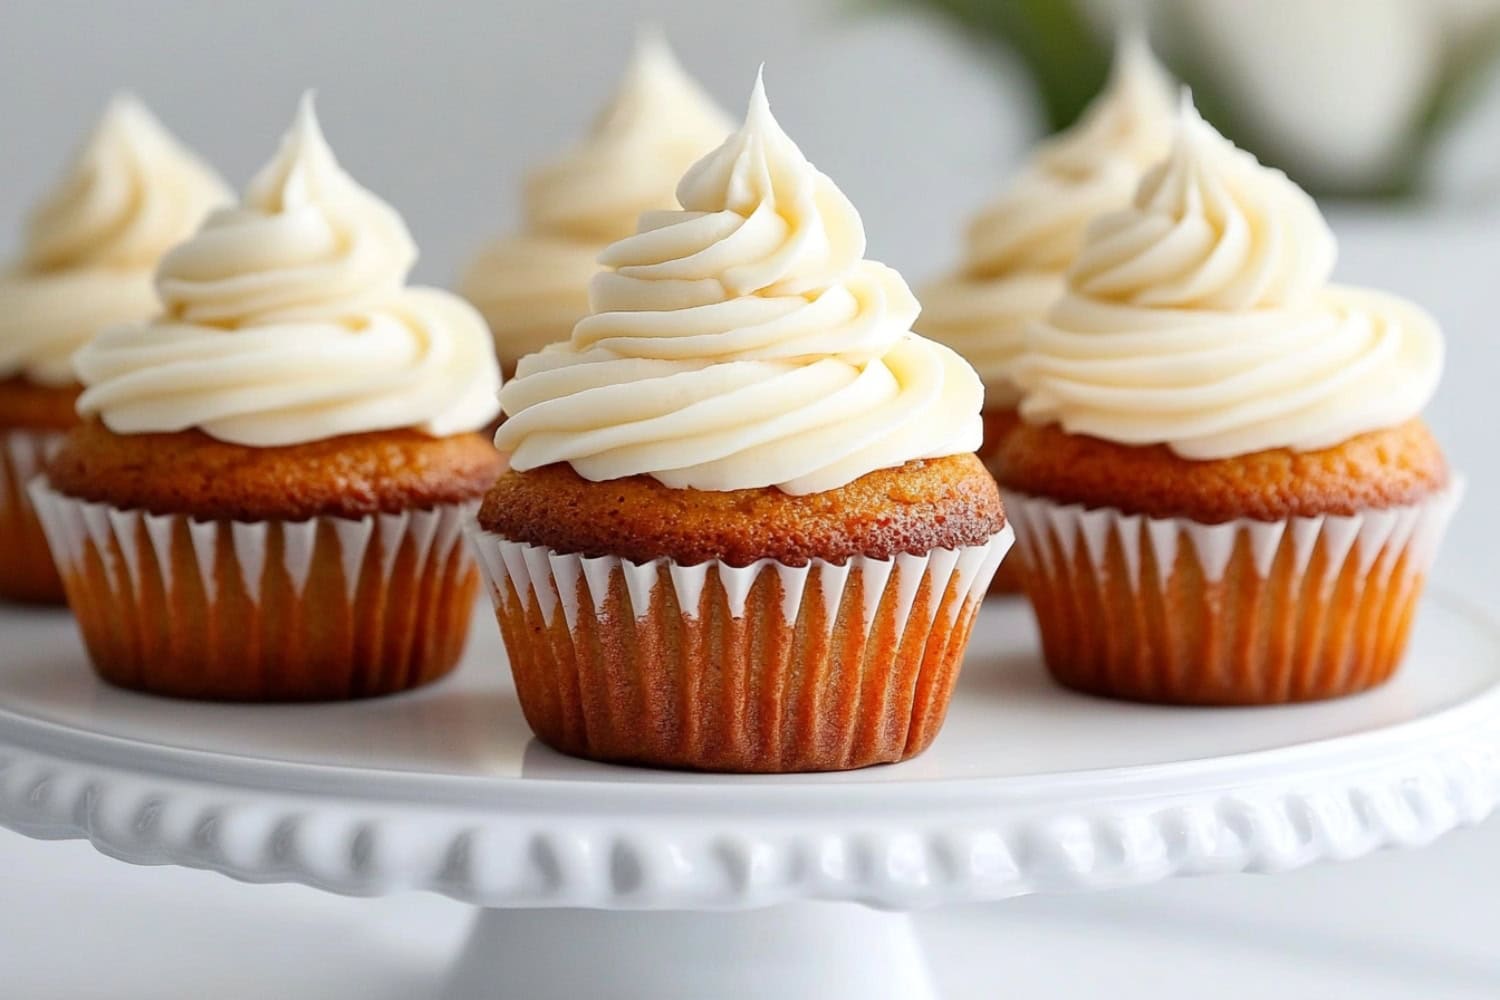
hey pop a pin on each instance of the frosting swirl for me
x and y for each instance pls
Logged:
(532, 287)
(1201, 318)
(1018, 247)
(91, 245)
(287, 320)
(743, 342)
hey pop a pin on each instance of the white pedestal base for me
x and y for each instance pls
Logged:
(805, 951)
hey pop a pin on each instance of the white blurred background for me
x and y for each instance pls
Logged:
(439, 107)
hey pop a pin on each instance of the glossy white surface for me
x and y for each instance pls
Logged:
(75, 925)
(1029, 789)
(1007, 721)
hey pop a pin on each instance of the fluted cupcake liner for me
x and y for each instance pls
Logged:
(27, 572)
(1010, 578)
(1243, 612)
(763, 668)
(321, 609)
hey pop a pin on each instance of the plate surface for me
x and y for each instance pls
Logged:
(1007, 720)
(1028, 788)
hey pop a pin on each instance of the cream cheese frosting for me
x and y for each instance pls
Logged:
(1018, 248)
(532, 287)
(1202, 318)
(743, 341)
(91, 246)
(287, 320)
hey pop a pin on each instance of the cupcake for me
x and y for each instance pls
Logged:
(743, 528)
(265, 500)
(533, 286)
(1222, 484)
(1019, 247)
(86, 262)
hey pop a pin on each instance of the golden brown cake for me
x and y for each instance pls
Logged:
(1222, 485)
(32, 419)
(267, 506)
(744, 528)
(27, 406)
(945, 503)
(381, 472)
(1392, 467)
(86, 262)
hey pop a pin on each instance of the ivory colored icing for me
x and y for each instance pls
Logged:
(744, 341)
(1201, 317)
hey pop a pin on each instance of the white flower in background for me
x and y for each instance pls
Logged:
(1336, 91)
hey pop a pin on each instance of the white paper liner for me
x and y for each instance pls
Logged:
(75, 527)
(25, 562)
(25, 453)
(1377, 539)
(766, 667)
(551, 578)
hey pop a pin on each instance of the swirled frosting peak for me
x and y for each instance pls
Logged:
(533, 287)
(1201, 317)
(287, 319)
(742, 341)
(91, 246)
(1019, 246)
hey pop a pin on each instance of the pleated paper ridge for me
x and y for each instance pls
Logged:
(1410, 531)
(23, 453)
(26, 568)
(321, 608)
(765, 667)
(1245, 611)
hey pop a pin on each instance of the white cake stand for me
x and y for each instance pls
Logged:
(598, 881)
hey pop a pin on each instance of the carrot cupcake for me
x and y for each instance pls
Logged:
(266, 499)
(744, 528)
(532, 287)
(86, 262)
(1019, 247)
(1223, 486)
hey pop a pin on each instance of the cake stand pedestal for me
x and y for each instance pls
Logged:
(615, 882)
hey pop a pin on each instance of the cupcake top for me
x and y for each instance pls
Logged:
(1201, 318)
(1019, 247)
(287, 320)
(742, 341)
(91, 246)
(533, 287)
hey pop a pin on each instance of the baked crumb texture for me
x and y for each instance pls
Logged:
(351, 477)
(945, 503)
(1388, 468)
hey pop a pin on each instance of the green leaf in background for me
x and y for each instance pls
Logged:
(1068, 61)
(1470, 65)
